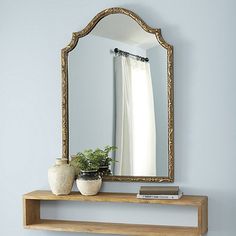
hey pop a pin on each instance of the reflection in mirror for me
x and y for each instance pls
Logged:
(111, 97)
(117, 99)
(135, 118)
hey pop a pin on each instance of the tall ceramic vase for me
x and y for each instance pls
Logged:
(61, 177)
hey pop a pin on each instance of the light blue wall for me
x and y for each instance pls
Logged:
(203, 34)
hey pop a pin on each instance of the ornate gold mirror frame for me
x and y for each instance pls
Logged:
(170, 91)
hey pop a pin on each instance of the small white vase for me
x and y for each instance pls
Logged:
(89, 182)
(61, 177)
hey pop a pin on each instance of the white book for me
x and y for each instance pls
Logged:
(147, 196)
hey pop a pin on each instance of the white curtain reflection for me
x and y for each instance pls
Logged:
(135, 118)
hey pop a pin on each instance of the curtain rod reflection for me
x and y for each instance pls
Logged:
(124, 53)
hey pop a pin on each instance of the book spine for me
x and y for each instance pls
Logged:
(158, 192)
(159, 196)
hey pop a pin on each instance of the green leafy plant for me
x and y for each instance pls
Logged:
(92, 159)
(103, 155)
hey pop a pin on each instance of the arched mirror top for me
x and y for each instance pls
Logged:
(115, 10)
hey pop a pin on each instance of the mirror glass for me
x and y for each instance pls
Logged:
(120, 100)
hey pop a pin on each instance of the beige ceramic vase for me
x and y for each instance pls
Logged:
(61, 177)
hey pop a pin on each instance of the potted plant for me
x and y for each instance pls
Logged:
(104, 159)
(94, 159)
(89, 181)
(91, 166)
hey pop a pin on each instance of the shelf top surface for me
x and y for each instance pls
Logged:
(185, 200)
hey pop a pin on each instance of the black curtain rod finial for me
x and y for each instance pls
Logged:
(116, 50)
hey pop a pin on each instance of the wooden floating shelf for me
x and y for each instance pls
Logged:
(32, 215)
(113, 228)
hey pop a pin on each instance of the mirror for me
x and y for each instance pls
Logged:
(113, 95)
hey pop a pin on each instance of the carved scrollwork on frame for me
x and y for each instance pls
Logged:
(170, 91)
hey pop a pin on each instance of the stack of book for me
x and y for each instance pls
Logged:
(159, 192)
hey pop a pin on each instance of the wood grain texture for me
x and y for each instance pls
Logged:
(203, 217)
(31, 204)
(114, 228)
(31, 211)
(115, 197)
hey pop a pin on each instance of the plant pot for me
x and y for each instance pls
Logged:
(61, 177)
(89, 182)
(104, 171)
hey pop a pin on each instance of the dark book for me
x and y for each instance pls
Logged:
(159, 190)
